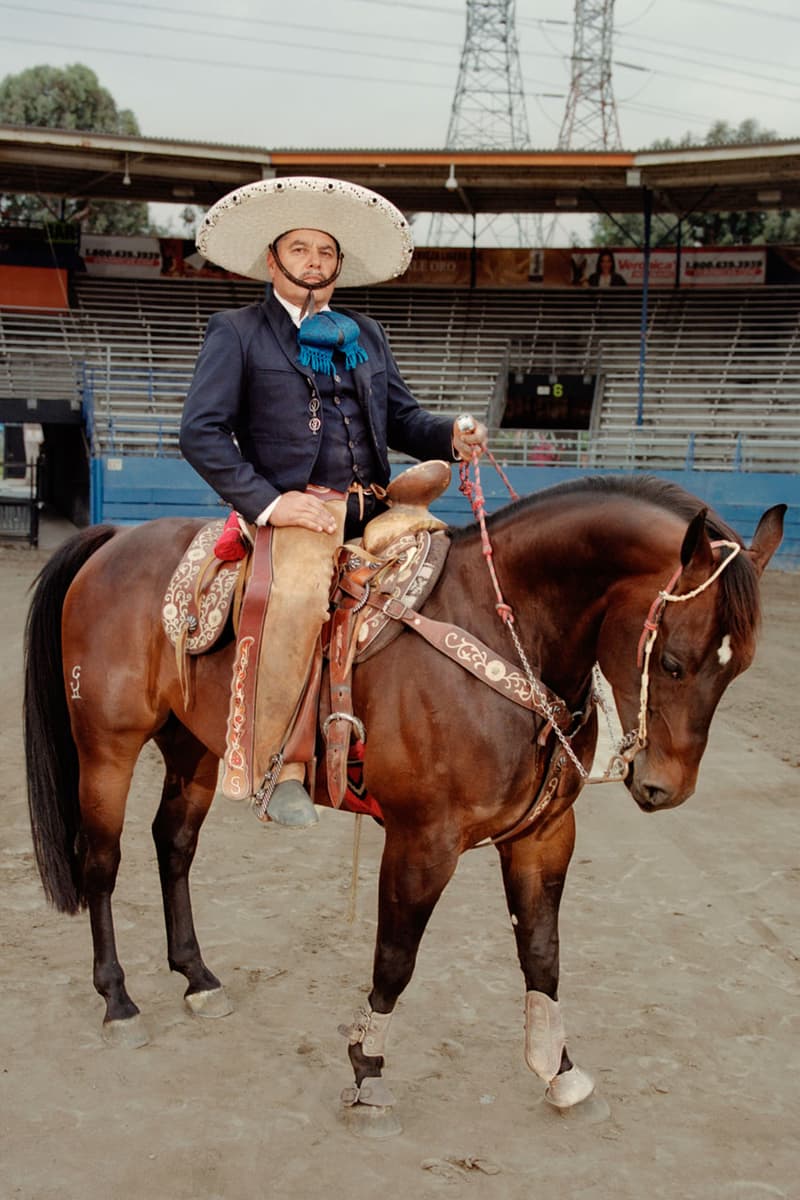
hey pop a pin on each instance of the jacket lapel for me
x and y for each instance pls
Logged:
(285, 333)
(362, 378)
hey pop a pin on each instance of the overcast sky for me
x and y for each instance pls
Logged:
(382, 73)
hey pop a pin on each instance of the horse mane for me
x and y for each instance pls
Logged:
(738, 602)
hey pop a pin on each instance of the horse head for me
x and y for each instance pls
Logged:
(698, 635)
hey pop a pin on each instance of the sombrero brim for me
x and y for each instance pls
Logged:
(374, 236)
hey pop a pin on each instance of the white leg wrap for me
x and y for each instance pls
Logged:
(544, 1035)
(370, 1029)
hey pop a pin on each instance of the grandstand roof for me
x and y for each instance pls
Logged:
(711, 178)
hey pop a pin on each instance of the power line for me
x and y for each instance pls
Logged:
(754, 12)
(771, 78)
(217, 35)
(530, 84)
(239, 65)
(261, 67)
(555, 54)
(214, 16)
(660, 42)
(713, 83)
(227, 65)
(707, 51)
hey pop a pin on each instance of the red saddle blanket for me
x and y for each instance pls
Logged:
(356, 798)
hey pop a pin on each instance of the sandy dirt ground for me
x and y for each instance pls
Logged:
(679, 984)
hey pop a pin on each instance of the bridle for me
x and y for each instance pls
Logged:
(652, 623)
(308, 306)
(636, 739)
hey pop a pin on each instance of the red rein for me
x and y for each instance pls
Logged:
(473, 491)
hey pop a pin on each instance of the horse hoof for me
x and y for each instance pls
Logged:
(590, 1110)
(371, 1121)
(570, 1088)
(130, 1033)
(211, 1003)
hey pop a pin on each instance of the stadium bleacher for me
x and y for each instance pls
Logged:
(721, 382)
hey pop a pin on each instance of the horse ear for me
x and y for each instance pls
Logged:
(767, 536)
(697, 557)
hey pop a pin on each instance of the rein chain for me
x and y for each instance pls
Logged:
(631, 743)
(473, 491)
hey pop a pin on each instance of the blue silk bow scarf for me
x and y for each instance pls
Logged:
(319, 336)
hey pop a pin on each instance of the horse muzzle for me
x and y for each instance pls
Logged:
(654, 792)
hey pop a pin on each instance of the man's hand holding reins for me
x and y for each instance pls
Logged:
(469, 435)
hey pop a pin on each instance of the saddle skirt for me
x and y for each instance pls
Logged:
(198, 600)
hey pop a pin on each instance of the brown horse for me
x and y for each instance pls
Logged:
(451, 762)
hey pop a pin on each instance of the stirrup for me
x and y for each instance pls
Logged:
(290, 804)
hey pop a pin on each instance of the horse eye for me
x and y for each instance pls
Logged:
(671, 666)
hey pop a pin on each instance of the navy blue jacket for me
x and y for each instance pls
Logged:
(248, 385)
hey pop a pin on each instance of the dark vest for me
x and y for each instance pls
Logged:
(346, 454)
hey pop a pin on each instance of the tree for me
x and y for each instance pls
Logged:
(703, 228)
(67, 98)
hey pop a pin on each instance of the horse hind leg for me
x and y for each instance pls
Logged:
(103, 790)
(189, 786)
(533, 875)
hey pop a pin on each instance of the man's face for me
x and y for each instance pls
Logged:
(307, 254)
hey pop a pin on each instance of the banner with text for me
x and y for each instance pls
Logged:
(693, 267)
(461, 267)
(126, 257)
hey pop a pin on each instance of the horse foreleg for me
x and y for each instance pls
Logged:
(408, 891)
(189, 786)
(533, 874)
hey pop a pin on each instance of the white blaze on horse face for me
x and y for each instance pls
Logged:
(724, 651)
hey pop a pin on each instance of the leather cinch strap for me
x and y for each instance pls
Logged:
(471, 654)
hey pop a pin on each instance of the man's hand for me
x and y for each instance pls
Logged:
(468, 435)
(300, 508)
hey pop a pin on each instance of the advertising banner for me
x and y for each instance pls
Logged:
(453, 266)
(587, 268)
(434, 266)
(461, 267)
(695, 267)
(125, 257)
(727, 267)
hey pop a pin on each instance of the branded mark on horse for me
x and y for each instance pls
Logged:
(587, 567)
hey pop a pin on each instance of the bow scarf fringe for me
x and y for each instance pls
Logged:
(319, 336)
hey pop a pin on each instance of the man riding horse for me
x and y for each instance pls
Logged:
(293, 407)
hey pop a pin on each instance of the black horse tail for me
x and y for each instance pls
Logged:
(50, 753)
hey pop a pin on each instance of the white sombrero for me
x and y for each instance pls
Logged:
(374, 236)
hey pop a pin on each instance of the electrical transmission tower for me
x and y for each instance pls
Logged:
(590, 120)
(488, 110)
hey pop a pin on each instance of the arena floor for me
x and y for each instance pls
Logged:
(679, 983)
